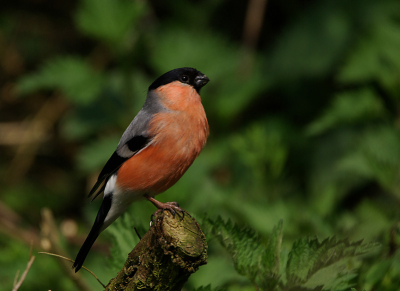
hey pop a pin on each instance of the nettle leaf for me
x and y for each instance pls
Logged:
(243, 244)
(376, 57)
(269, 276)
(72, 75)
(335, 277)
(109, 20)
(271, 255)
(349, 108)
(258, 261)
(377, 156)
(312, 264)
(381, 143)
(261, 145)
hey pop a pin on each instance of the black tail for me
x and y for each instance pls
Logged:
(94, 233)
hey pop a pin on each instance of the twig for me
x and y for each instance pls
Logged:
(21, 132)
(72, 261)
(12, 225)
(251, 33)
(137, 233)
(253, 22)
(9, 224)
(45, 119)
(21, 280)
(16, 278)
(50, 232)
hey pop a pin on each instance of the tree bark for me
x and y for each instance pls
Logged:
(172, 249)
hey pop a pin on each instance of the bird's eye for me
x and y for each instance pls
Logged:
(184, 78)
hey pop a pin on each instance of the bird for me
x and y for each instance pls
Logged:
(156, 149)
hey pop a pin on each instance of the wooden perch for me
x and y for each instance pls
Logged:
(172, 249)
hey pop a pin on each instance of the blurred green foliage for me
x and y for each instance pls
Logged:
(305, 127)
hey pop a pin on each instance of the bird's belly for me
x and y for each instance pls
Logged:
(153, 170)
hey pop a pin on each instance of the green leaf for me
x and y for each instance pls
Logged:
(337, 276)
(377, 273)
(73, 76)
(269, 274)
(312, 263)
(271, 255)
(109, 20)
(243, 244)
(376, 156)
(326, 265)
(375, 57)
(262, 149)
(349, 108)
(258, 261)
(381, 143)
(384, 273)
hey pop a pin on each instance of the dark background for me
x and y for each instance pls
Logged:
(303, 106)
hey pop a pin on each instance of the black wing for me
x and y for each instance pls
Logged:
(134, 145)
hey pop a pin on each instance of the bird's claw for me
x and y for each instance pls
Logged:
(172, 207)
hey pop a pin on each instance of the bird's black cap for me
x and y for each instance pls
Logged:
(189, 76)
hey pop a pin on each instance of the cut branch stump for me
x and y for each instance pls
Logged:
(172, 250)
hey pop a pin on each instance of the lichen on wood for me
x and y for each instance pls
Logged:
(172, 250)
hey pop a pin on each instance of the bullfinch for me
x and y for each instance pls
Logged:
(155, 150)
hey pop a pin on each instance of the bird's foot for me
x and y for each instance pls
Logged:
(172, 207)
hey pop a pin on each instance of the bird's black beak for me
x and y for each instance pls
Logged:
(200, 80)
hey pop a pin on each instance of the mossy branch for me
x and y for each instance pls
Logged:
(172, 250)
